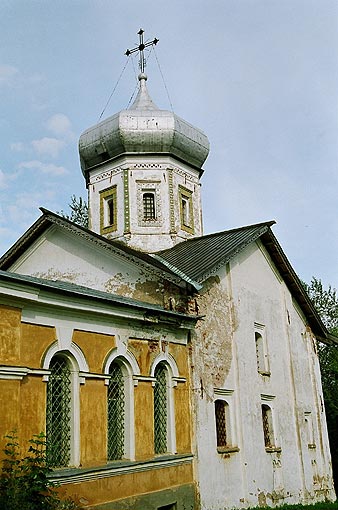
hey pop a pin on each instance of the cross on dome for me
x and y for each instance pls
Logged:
(140, 48)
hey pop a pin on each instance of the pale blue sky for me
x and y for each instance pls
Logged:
(259, 77)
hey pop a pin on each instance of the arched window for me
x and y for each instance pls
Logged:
(116, 412)
(269, 440)
(161, 409)
(59, 412)
(111, 211)
(149, 212)
(221, 415)
(261, 352)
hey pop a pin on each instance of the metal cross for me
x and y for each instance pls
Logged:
(140, 48)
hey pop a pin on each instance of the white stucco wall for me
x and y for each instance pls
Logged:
(132, 175)
(60, 255)
(225, 366)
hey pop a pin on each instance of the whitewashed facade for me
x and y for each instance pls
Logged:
(259, 429)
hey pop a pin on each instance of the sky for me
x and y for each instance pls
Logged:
(259, 77)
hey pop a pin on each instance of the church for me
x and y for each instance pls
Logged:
(169, 369)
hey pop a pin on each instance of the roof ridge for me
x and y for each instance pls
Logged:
(214, 234)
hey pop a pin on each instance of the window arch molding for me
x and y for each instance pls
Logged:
(170, 362)
(130, 362)
(76, 355)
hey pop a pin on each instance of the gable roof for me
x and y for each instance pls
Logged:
(191, 261)
(49, 218)
(201, 257)
(79, 292)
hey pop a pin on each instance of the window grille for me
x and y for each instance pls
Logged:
(58, 416)
(160, 409)
(116, 413)
(149, 206)
(267, 426)
(220, 414)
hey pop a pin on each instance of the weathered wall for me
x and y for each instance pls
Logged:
(27, 345)
(251, 294)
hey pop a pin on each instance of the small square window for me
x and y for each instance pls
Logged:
(108, 210)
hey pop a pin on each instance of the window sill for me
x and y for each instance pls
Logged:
(273, 449)
(227, 449)
(117, 468)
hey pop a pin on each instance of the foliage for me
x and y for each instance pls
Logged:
(326, 303)
(24, 483)
(79, 211)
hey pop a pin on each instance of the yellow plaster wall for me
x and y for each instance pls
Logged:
(35, 341)
(10, 319)
(144, 412)
(182, 418)
(95, 347)
(145, 351)
(32, 407)
(180, 354)
(93, 422)
(124, 486)
(9, 408)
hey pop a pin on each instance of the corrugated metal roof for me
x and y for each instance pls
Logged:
(197, 258)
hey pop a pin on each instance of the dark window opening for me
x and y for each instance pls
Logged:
(149, 206)
(220, 415)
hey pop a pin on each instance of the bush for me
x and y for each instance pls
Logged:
(24, 483)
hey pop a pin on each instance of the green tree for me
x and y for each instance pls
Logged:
(24, 482)
(326, 303)
(78, 211)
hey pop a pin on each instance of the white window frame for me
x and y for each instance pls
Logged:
(74, 405)
(129, 368)
(172, 373)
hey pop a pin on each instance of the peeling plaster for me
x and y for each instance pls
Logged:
(214, 334)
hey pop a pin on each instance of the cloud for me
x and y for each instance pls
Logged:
(60, 125)
(48, 146)
(17, 146)
(3, 180)
(6, 178)
(45, 168)
(7, 73)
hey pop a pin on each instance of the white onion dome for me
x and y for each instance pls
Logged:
(143, 129)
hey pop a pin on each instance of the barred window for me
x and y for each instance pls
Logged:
(221, 411)
(58, 412)
(116, 413)
(267, 426)
(161, 409)
(149, 212)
